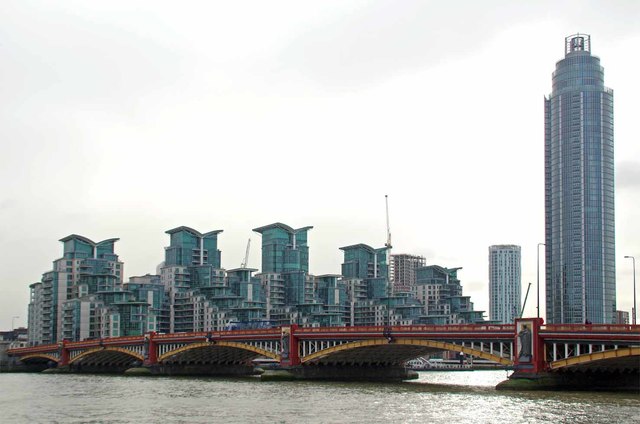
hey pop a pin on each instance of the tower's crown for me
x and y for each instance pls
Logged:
(577, 43)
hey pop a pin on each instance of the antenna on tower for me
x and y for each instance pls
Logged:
(246, 255)
(388, 243)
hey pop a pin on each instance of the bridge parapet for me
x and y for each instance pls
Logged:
(21, 351)
(591, 328)
(219, 335)
(437, 329)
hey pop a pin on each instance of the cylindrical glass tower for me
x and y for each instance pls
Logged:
(579, 190)
(504, 283)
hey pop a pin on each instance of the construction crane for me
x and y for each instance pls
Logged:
(246, 255)
(525, 300)
(388, 243)
(390, 288)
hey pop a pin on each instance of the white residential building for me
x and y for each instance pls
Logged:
(504, 283)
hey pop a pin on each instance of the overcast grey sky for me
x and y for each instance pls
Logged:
(125, 119)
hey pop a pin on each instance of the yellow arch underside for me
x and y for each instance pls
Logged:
(236, 345)
(405, 341)
(40, 356)
(107, 349)
(596, 356)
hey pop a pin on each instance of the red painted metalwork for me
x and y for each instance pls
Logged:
(64, 354)
(294, 355)
(151, 350)
(614, 334)
(408, 328)
(590, 328)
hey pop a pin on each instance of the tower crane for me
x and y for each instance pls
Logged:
(388, 243)
(390, 284)
(246, 255)
(388, 252)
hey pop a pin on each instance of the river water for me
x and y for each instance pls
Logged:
(436, 397)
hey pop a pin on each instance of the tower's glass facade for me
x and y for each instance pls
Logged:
(369, 265)
(579, 190)
(285, 256)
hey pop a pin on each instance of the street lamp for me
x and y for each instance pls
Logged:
(538, 276)
(634, 309)
(13, 320)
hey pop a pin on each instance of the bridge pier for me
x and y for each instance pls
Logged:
(82, 368)
(574, 380)
(221, 370)
(340, 373)
(58, 370)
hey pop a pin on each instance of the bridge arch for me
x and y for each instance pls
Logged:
(222, 344)
(596, 358)
(40, 356)
(98, 350)
(408, 342)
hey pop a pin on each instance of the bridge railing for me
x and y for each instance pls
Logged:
(410, 328)
(33, 349)
(594, 328)
(105, 342)
(219, 334)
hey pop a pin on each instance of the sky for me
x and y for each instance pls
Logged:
(128, 118)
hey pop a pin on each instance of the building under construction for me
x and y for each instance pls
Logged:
(403, 271)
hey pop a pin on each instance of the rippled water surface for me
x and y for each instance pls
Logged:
(437, 397)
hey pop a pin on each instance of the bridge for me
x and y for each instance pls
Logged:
(531, 348)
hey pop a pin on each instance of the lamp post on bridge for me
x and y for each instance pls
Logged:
(634, 308)
(538, 277)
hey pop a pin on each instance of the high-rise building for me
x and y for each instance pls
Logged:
(621, 317)
(84, 296)
(86, 269)
(370, 266)
(285, 263)
(201, 297)
(192, 262)
(579, 190)
(504, 283)
(192, 259)
(331, 294)
(403, 271)
(365, 276)
(440, 292)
